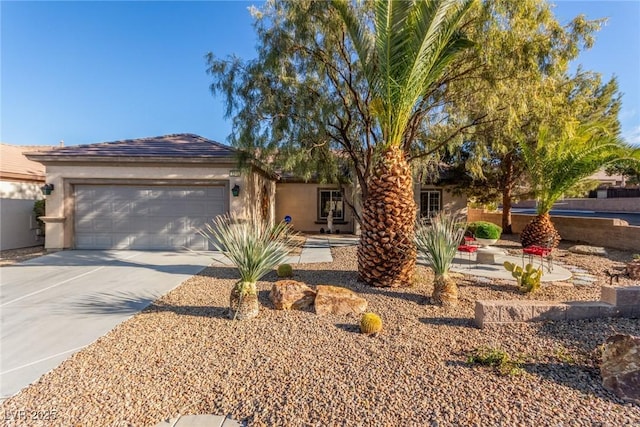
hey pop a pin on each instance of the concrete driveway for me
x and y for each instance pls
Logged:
(53, 306)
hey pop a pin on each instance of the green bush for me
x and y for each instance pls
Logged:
(485, 230)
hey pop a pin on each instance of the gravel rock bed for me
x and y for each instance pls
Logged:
(12, 256)
(183, 356)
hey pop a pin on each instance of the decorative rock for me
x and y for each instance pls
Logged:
(291, 295)
(620, 367)
(337, 300)
(588, 250)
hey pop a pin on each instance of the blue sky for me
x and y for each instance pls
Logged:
(84, 71)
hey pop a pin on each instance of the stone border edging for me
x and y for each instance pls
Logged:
(615, 301)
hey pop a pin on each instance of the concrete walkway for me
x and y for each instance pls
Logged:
(314, 250)
(466, 264)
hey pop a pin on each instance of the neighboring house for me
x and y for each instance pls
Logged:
(606, 180)
(148, 193)
(20, 182)
(156, 193)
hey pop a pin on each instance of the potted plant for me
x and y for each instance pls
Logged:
(255, 248)
(438, 242)
(485, 233)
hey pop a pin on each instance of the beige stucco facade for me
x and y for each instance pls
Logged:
(60, 204)
(300, 202)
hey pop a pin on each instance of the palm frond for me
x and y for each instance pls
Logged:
(254, 247)
(561, 159)
(439, 240)
(414, 41)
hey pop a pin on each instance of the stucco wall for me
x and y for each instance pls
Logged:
(60, 204)
(608, 232)
(300, 202)
(18, 226)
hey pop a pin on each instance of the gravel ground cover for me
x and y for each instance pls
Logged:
(12, 256)
(183, 356)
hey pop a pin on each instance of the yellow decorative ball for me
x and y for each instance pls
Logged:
(370, 324)
(285, 270)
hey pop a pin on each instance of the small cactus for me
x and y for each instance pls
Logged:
(285, 270)
(370, 324)
(528, 278)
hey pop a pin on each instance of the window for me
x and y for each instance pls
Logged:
(330, 199)
(430, 203)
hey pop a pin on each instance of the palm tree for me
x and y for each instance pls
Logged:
(559, 161)
(413, 42)
(255, 248)
(438, 242)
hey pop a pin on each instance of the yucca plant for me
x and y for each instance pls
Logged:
(559, 160)
(438, 242)
(255, 248)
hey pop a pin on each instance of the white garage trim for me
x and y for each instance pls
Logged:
(145, 216)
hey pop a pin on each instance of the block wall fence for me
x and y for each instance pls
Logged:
(607, 232)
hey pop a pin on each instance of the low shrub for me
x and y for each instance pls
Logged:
(485, 230)
(496, 358)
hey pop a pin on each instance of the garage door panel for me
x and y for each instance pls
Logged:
(136, 217)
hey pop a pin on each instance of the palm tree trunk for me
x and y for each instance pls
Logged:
(387, 252)
(541, 232)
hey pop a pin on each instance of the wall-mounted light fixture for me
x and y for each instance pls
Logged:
(235, 190)
(47, 189)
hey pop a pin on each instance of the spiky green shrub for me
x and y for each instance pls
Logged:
(253, 246)
(285, 270)
(370, 323)
(439, 240)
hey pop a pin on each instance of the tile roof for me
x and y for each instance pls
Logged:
(175, 146)
(14, 165)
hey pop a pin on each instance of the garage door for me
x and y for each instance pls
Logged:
(145, 217)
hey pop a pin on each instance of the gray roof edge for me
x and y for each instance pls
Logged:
(56, 158)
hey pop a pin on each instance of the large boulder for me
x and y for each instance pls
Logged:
(337, 300)
(620, 368)
(291, 295)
